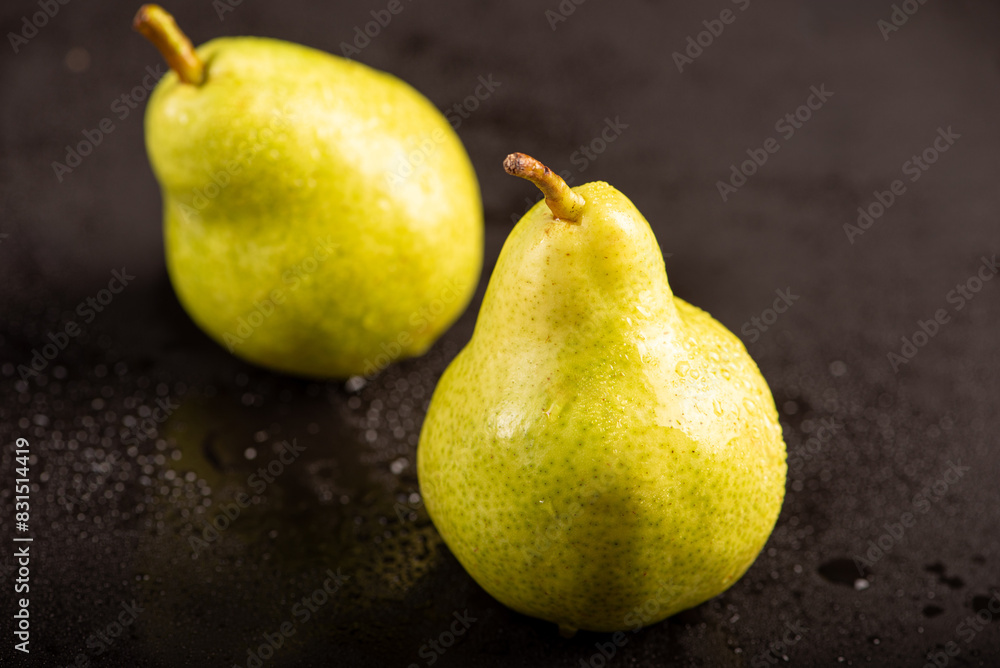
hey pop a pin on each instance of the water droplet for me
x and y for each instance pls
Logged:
(717, 407)
(726, 374)
(682, 367)
(714, 356)
(750, 406)
(695, 374)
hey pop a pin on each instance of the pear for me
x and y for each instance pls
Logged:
(601, 454)
(321, 218)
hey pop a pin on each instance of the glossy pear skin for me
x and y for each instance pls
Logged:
(332, 192)
(602, 454)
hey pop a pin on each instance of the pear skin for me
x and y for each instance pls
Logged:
(601, 454)
(321, 218)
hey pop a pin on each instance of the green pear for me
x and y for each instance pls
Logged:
(321, 218)
(601, 454)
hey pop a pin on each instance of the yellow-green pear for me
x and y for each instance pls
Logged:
(321, 217)
(601, 454)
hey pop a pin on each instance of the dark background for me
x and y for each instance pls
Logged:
(115, 500)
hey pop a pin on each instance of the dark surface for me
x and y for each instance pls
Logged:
(112, 521)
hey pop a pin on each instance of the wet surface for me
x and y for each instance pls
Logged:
(187, 507)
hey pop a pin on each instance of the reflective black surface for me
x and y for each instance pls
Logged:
(144, 433)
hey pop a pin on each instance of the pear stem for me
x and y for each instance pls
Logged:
(159, 27)
(562, 201)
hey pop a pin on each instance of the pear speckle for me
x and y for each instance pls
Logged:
(662, 472)
(297, 232)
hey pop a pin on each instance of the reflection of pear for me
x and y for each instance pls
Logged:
(321, 218)
(247, 580)
(602, 454)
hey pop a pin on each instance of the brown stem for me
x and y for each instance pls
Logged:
(562, 201)
(159, 27)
